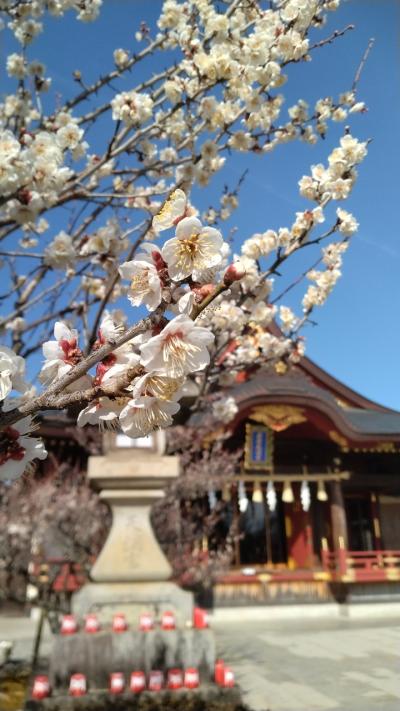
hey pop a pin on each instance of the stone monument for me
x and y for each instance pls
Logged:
(131, 574)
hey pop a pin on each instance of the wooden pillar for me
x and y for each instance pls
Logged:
(298, 533)
(338, 517)
(339, 526)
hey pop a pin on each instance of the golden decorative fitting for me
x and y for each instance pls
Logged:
(264, 578)
(324, 544)
(257, 496)
(377, 528)
(381, 447)
(278, 417)
(385, 448)
(339, 440)
(321, 491)
(280, 367)
(343, 403)
(287, 494)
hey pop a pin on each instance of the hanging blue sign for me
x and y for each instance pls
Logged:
(258, 448)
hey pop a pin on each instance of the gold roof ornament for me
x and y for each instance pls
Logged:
(281, 367)
(380, 447)
(278, 417)
(339, 440)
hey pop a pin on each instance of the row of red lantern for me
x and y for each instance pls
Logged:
(69, 624)
(176, 679)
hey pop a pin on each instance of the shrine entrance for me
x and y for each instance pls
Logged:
(262, 534)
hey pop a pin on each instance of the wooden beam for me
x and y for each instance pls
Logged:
(296, 476)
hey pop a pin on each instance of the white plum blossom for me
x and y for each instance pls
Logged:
(12, 372)
(348, 225)
(106, 240)
(145, 414)
(103, 411)
(121, 58)
(224, 409)
(180, 348)
(69, 136)
(287, 317)
(16, 66)
(131, 107)
(173, 210)
(61, 354)
(193, 249)
(17, 449)
(145, 274)
(60, 253)
(121, 359)
(155, 385)
(260, 245)
(324, 281)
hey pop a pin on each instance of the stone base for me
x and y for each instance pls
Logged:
(96, 655)
(105, 599)
(202, 699)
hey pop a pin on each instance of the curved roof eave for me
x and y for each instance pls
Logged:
(361, 425)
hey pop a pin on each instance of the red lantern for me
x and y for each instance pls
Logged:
(156, 680)
(219, 671)
(77, 685)
(41, 687)
(175, 679)
(68, 624)
(146, 622)
(200, 618)
(168, 621)
(117, 683)
(228, 678)
(191, 680)
(92, 624)
(119, 623)
(138, 682)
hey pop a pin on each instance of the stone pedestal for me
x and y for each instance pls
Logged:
(96, 655)
(131, 574)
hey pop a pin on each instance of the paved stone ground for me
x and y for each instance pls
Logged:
(314, 665)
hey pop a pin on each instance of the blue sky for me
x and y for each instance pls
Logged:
(357, 338)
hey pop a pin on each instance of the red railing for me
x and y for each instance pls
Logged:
(362, 566)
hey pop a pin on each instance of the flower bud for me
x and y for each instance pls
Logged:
(232, 274)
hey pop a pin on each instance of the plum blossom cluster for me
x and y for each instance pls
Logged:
(32, 169)
(17, 447)
(223, 93)
(23, 17)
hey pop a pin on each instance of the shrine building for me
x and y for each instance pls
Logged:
(317, 496)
